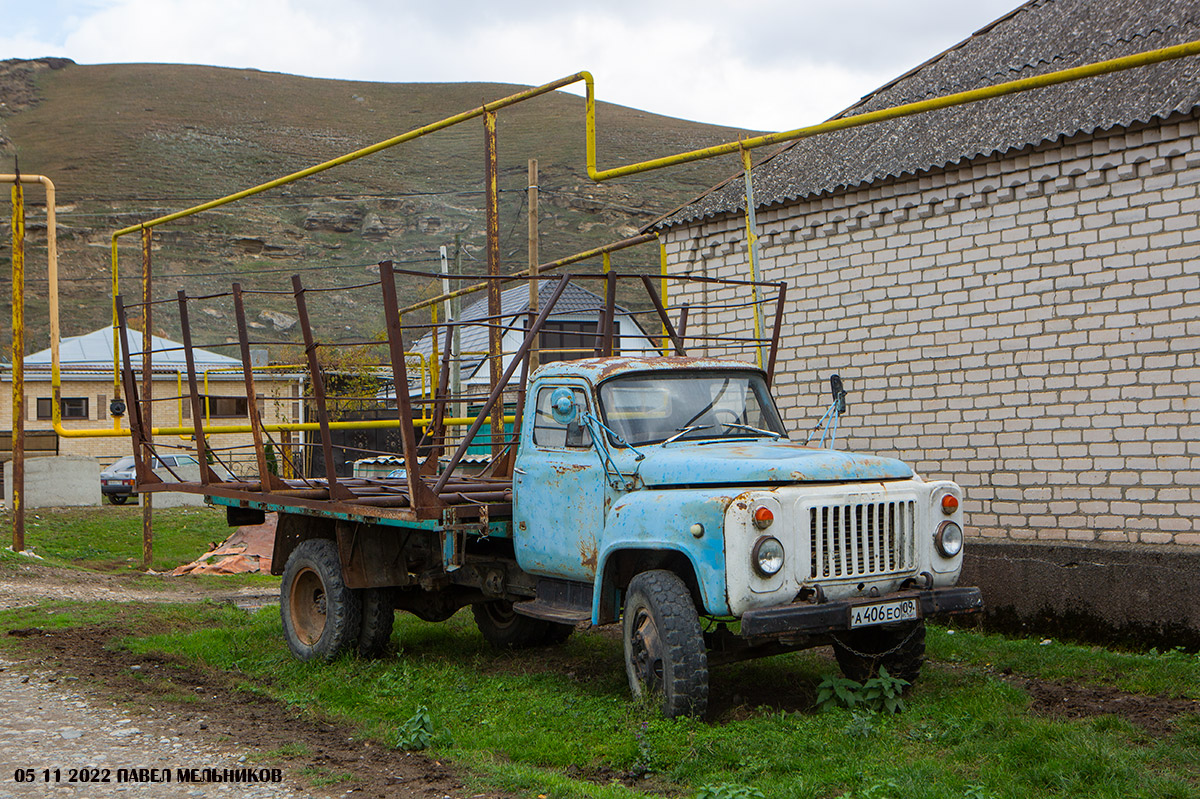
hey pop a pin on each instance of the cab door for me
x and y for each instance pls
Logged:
(559, 485)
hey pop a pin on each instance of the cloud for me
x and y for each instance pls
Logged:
(771, 65)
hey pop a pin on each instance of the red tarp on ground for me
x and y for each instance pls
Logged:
(248, 549)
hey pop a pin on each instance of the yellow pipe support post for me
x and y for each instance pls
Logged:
(147, 498)
(534, 283)
(752, 251)
(18, 365)
(116, 333)
(495, 341)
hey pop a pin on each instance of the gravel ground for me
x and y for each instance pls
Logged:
(49, 727)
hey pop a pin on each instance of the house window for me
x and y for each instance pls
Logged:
(566, 341)
(70, 408)
(216, 406)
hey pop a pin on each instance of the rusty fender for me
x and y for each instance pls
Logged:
(665, 521)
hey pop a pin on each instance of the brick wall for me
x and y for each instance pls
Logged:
(1027, 325)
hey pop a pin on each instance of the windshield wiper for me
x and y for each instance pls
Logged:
(759, 430)
(683, 431)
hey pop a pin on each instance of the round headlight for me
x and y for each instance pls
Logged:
(949, 539)
(767, 556)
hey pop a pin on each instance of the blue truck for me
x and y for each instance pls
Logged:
(661, 492)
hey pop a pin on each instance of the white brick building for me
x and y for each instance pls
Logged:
(1011, 290)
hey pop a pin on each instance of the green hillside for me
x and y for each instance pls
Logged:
(129, 142)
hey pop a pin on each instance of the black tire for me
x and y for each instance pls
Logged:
(118, 499)
(664, 645)
(504, 628)
(378, 615)
(900, 649)
(321, 616)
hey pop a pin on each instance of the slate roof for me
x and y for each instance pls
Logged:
(575, 301)
(1038, 37)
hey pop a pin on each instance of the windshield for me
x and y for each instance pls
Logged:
(685, 405)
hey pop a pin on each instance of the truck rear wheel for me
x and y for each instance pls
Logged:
(321, 616)
(901, 650)
(504, 628)
(664, 645)
(378, 616)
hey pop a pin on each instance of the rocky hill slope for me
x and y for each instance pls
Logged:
(130, 142)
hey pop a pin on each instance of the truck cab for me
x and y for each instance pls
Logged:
(669, 489)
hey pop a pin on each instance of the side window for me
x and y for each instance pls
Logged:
(550, 432)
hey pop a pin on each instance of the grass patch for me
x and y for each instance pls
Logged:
(1173, 673)
(559, 721)
(109, 538)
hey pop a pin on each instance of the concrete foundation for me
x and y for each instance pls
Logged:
(1136, 595)
(58, 481)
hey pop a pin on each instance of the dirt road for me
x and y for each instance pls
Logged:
(73, 711)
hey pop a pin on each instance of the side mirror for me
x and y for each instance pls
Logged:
(839, 392)
(562, 405)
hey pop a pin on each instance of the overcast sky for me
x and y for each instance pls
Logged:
(768, 65)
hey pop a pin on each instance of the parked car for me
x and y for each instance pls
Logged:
(117, 481)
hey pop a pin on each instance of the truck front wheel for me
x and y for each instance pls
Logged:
(321, 616)
(901, 650)
(664, 645)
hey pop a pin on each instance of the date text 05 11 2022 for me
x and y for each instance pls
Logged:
(140, 775)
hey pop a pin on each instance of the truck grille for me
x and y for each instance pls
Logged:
(861, 539)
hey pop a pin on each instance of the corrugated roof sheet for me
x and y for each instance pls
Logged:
(514, 305)
(96, 349)
(1038, 37)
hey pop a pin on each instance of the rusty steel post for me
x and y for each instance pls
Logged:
(435, 431)
(206, 473)
(492, 203)
(336, 490)
(610, 311)
(498, 388)
(267, 481)
(776, 329)
(147, 498)
(420, 497)
(18, 364)
(662, 315)
(136, 425)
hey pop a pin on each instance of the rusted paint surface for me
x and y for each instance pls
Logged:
(662, 520)
(762, 461)
(564, 494)
(588, 555)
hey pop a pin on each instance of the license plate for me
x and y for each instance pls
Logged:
(883, 613)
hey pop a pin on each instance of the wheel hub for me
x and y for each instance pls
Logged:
(647, 651)
(308, 606)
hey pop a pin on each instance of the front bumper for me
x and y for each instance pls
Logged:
(808, 619)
